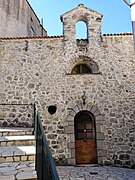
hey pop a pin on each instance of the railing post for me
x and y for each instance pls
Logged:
(34, 117)
(35, 131)
(39, 153)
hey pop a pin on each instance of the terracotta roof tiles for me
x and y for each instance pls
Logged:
(118, 34)
(49, 37)
(34, 37)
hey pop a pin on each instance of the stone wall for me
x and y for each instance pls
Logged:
(17, 18)
(42, 73)
(39, 70)
(16, 115)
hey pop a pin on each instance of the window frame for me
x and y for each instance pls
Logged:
(80, 69)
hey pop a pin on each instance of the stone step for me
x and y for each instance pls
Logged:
(18, 171)
(17, 153)
(15, 131)
(17, 140)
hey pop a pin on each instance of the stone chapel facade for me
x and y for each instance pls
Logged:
(84, 90)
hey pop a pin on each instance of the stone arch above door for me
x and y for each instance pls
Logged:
(100, 136)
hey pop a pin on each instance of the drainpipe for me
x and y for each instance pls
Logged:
(133, 18)
(132, 7)
(42, 30)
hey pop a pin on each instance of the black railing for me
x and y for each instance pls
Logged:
(44, 162)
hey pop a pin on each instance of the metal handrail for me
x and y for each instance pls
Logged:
(44, 162)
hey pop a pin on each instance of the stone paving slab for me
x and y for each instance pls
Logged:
(16, 150)
(95, 172)
(11, 129)
(17, 140)
(17, 153)
(18, 171)
(26, 171)
(4, 131)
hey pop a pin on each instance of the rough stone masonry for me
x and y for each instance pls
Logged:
(39, 69)
(17, 19)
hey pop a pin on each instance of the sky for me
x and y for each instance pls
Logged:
(116, 14)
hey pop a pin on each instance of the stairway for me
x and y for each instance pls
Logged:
(17, 154)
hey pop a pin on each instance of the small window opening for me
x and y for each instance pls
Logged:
(81, 30)
(99, 19)
(81, 69)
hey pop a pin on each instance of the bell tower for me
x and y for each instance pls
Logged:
(91, 18)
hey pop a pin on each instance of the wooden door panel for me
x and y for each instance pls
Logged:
(85, 140)
(85, 152)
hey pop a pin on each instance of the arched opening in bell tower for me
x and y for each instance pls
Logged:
(81, 30)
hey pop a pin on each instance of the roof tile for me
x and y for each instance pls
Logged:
(49, 37)
(118, 34)
(34, 37)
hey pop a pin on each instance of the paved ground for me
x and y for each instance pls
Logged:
(17, 171)
(96, 172)
(25, 170)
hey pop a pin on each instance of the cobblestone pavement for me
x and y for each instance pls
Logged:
(96, 172)
(17, 171)
(26, 170)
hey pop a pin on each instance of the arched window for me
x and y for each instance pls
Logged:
(81, 30)
(81, 69)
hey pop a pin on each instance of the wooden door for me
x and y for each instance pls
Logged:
(85, 141)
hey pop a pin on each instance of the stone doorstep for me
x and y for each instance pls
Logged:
(17, 140)
(17, 150)
(17, 153)
(17, 158)
(5, 131)
(17, 145)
